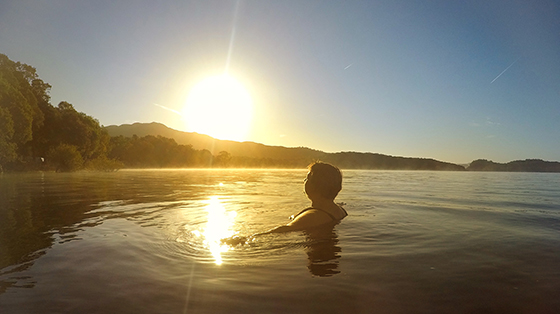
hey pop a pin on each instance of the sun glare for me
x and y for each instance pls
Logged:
(219, 106)
(218, 227)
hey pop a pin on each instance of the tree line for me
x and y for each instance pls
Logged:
(35, 135)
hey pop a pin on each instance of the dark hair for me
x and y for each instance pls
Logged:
(325, 178)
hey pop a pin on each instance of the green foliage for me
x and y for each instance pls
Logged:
(78, 129)
(31, 128)
(7, 147)
(18, 108)
(64, 158)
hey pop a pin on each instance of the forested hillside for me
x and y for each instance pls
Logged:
(249, 154)
(202, 141)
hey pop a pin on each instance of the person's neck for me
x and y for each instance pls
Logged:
(322, 203)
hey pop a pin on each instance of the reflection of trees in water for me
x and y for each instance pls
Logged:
(30, 214)
(322, 251)
(38, 210)
(32, 211)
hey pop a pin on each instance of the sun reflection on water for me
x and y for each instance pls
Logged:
(218, 226)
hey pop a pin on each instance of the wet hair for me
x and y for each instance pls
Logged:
(325, 178)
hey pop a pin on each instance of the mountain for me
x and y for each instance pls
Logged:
(290, 155)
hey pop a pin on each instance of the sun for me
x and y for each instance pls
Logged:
(219, 106)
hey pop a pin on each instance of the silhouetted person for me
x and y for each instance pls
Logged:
(322, 184)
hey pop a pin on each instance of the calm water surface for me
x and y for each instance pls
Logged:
(148, 241)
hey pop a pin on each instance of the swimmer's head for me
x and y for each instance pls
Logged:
(323, 179)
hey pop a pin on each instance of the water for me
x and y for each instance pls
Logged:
(148, 242)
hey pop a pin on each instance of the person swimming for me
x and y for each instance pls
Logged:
(321, 185)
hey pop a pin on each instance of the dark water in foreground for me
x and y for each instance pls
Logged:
(148, 242)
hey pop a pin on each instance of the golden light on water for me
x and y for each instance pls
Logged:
(218, 227)
(219, 106)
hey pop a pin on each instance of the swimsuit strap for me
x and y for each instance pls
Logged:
(344, 210)
(322, 210)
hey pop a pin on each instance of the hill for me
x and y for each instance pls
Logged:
(215, 146)
(528, 165)
(300, 156)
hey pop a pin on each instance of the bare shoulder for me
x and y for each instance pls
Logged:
(308, 219)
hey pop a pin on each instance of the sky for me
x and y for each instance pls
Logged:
(450, 80)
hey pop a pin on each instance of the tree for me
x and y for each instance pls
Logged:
(21, 93)
(7, 147)
(18, 103)
(204, 158)
(65, 158)
(223, 159)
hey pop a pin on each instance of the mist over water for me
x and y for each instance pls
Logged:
(147, 241)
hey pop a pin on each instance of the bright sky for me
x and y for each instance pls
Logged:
(450, 80)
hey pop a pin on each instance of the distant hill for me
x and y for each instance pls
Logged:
(356, 160)
(300, 156)
(215, 146)
(528, 165)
